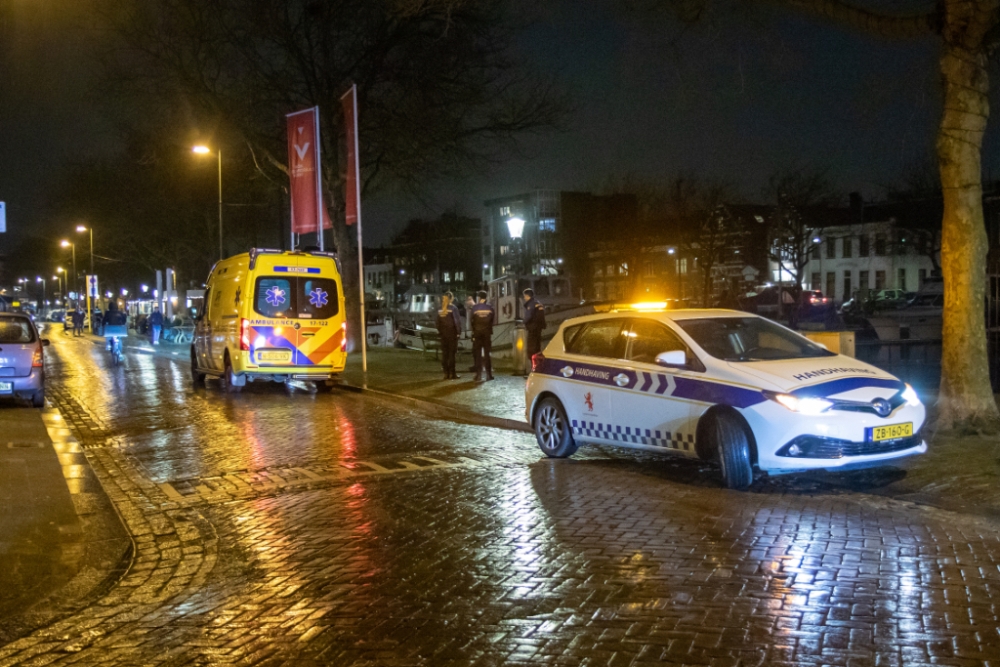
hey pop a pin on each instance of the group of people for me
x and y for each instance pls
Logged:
(113, 317)
(483, 317)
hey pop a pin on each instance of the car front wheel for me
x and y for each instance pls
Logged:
(733, 450)
(552, 430)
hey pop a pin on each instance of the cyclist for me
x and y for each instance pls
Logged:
(115, 326)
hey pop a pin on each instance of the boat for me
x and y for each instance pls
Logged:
(920, 319)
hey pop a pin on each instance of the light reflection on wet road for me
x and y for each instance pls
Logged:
(612, 558)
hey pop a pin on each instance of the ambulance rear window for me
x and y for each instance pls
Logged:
(293, 297)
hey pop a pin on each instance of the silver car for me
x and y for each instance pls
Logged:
(22, 373)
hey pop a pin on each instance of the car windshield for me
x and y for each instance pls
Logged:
(16, 330)
(749, 339)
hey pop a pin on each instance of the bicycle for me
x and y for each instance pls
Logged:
(114, 334)
(115, 348)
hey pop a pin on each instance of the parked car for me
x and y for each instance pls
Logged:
(22, 369)
(717, 385)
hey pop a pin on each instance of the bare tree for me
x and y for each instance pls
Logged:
(791, 233)
(438, 92)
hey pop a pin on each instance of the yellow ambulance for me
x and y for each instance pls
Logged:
(271, 315)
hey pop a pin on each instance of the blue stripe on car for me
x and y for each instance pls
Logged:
(841, 385)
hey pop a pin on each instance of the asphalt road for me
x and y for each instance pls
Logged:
(284, 527)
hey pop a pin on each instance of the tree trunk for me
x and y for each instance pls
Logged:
(966, 398)
(347, 251)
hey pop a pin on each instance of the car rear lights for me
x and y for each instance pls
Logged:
(36, 358)
(245, 335)
(343, 337)
(537, 361)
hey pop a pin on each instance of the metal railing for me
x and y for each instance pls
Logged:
(915, 361)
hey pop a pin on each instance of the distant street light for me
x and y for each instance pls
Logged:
(41, 306)
(69, 244)
(205, 150)
(80, 229)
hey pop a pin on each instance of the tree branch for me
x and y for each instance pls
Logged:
(883, 25)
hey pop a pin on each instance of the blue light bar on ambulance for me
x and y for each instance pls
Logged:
(295, 269)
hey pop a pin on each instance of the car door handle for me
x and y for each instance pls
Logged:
(621, 379)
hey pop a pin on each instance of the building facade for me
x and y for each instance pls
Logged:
(873, 255)
(436, 256)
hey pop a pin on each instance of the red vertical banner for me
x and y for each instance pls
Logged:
(351, 187)
(304, 173)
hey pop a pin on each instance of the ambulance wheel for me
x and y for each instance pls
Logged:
(733, 450)
(323, 387)
(552, 430)
(197, 378)
(228, 379)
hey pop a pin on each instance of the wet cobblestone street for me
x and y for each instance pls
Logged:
(276, 527)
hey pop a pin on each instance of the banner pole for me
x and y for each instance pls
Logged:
(319, 181)
(361, 261)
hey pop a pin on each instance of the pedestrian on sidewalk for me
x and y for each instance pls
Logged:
(78, 318)
(483, 317)
(449, 326)
(156, 325)
(534, 322)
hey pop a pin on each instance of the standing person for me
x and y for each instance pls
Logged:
(483, 317)
(449, 325)
(78, 322)
(534, 322)
(156, 325)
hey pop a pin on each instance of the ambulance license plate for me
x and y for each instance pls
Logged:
(6, 387)
(893, 432)
(281, 356)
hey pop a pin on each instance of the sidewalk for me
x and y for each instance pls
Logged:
(61, 541)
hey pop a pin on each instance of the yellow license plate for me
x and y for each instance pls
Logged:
(893, 432)
(274, 356)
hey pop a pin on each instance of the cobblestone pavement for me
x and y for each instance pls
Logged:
(288, 528)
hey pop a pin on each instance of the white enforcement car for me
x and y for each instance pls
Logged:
(717, 384)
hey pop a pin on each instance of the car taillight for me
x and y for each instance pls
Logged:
(537, 361)
(343, 337)
(245, 335)
(36, 359)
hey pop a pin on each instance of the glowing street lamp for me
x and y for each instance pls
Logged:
(69, 244)
(516, 227)
(205, 150)
(81, 229)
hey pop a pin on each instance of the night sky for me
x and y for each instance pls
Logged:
(735, 100)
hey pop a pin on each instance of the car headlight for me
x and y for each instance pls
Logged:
(804, 406)
(910, 396)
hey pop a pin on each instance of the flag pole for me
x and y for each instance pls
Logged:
(361, 265)
(319, 182)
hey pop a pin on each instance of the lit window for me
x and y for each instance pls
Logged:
(547, 225)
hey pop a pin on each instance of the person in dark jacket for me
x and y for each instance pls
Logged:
(156, 325)
(78, 319)
(483, 317)
(534, 322)
(449, 325)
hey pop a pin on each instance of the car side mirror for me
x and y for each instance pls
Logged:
(672, 359)
(45, 342)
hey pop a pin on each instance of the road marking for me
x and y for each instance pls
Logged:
(310, 474)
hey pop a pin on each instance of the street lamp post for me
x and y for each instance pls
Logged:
(41, 304)
(516, 228)
(80, 229)
(205, 150)
(69, 244)
(60, 273)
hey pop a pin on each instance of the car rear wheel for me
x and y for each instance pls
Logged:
(552, 430)
(229, 380)
(197, 378)
(38, 399)
(733, 450)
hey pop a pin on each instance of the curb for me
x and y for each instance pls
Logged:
(454, 413)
